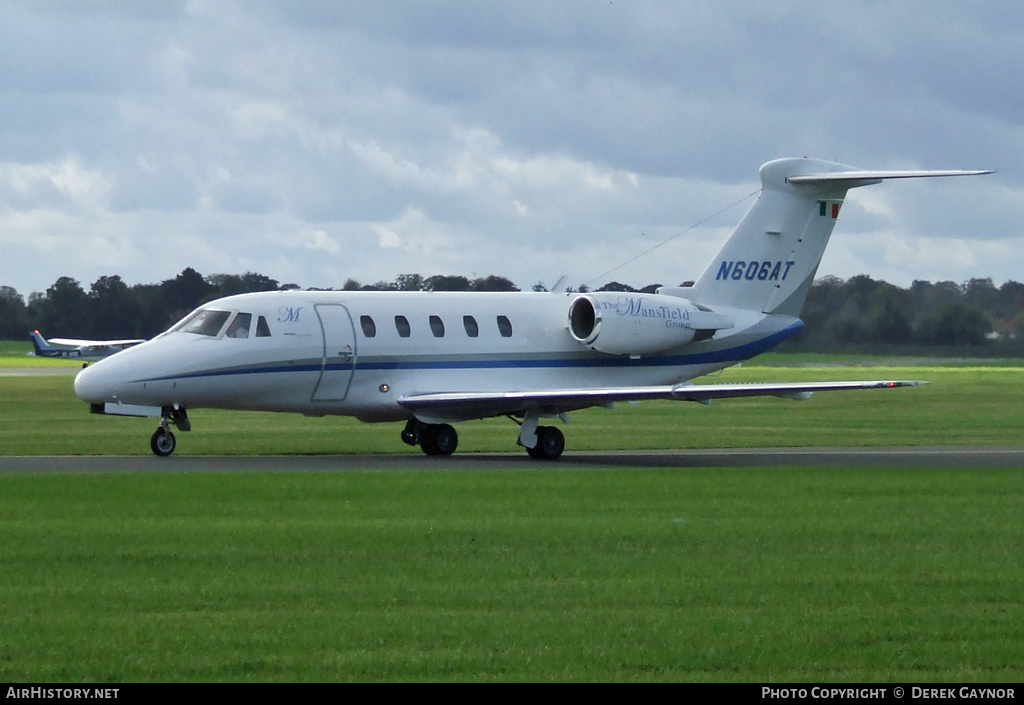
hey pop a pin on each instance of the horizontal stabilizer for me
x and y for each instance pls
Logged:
(864, 177)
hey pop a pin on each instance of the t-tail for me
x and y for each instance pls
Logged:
(769, 262)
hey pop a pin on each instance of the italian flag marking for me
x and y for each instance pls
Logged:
(823, 208)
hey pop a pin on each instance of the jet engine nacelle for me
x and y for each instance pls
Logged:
(640, 324)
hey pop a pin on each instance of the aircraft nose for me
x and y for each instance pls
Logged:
(93, 385)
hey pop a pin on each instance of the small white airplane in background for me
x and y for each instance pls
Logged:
(74, 349)
(431, 359)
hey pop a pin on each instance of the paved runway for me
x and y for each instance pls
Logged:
(946, 456)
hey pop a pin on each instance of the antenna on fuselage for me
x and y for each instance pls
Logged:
(678, 234)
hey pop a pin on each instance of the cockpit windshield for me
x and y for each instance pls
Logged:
(203, 322)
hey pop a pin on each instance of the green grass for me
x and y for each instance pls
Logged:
(961, 405)
(539, 573)
(15, 353)
(783, 575)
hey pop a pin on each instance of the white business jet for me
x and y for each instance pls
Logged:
(431, 359)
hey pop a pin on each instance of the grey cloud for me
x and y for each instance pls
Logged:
(361, 139)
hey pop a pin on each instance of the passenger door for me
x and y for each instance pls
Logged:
(339, 352)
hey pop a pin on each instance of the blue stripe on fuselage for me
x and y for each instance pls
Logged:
(735, 354)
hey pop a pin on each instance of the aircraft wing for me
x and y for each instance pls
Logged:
(75, 342)
(461, 406)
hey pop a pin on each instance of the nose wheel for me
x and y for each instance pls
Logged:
(162, 442)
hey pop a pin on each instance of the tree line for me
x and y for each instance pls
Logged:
(856, 314)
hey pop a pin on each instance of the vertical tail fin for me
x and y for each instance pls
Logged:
(42, 347)
(769, 262)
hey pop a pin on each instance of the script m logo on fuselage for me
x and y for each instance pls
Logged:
(768, 270)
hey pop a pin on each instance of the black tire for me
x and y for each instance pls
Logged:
(439, 439)
(162, 442)
(550, 444)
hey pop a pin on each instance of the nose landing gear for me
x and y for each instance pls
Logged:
(162, 442)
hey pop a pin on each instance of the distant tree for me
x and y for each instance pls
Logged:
(887, 315)
(154, 315)
(187, 291)
(539, 287)
(616, 286)
(957, 323)
(62, 310)
(409, 282)
(351, 285)
(251, 281)
(14, 323)
(114, 311)
(929, 298)
(981, 293)
(444, 282)
(1009, 310)
(493, 283)
(231, 284)
(225, 284)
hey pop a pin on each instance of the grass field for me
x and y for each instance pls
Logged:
(771, 574)
(960, 405)
(535, 573)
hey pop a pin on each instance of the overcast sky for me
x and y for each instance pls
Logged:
(314, 141)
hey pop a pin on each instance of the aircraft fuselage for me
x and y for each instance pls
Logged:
(358, 353)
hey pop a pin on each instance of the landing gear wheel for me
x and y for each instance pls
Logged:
(550, 444)
(162, 442)
(439, 439)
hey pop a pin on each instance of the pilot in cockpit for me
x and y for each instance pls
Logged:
(239, 327)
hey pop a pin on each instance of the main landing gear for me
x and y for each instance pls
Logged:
(162, 442)
(433, 438)
(550, 444)
(541, 442)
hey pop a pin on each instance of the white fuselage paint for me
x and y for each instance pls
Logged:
(319, 358)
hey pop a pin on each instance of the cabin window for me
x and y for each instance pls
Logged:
(504, 326)
(402, 326)
(437, 326)
(203, 322)
(369, 327)
(472, 329)
(262, 329)
(239, 327)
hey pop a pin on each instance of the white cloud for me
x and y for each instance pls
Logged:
(528, 140)
(57, 184)
(387, 238)
(320, 240)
